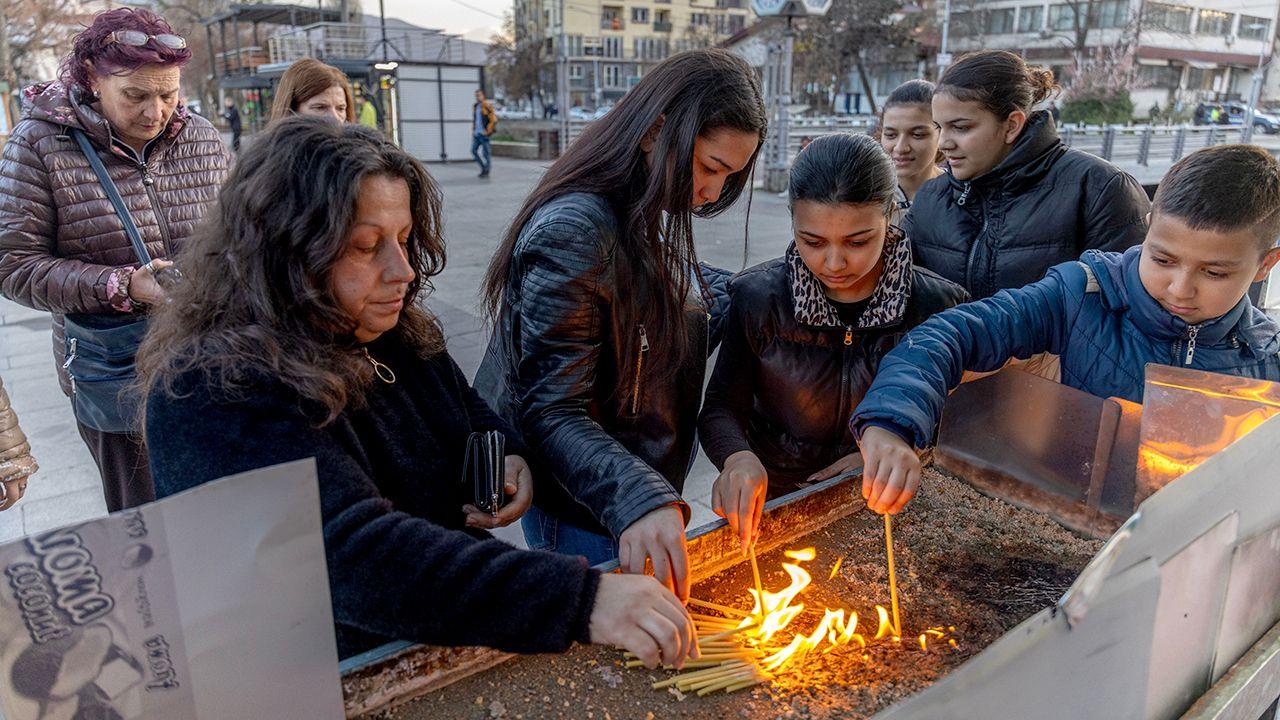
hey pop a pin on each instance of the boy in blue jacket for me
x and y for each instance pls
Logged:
(1178, 299)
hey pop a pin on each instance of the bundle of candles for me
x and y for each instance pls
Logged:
(729, 658)
(736, 646)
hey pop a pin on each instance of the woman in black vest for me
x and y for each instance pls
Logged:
(1014, 200)
(603, 315)
(806, 331)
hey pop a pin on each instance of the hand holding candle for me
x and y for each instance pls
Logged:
(738, 496)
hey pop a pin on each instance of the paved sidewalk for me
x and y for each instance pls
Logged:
(476, 212)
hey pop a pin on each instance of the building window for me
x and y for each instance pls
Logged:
(730, 4)
(1112, 14)
(700, 19)
(611, 18)
(737, 23)
(1214, 22)
(1165, 77)
(639, 15)
(612, 76)
(962, 24)
(574, 45)
(1000, 21)
(1174, 18)
(575, 71)
(1031, 19)
(1253, 28)
(613, 47)
(1062, 17)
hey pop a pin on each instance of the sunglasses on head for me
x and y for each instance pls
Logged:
(135, 38)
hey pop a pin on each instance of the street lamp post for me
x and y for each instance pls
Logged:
(944, 57)
(1255, 92)
(778, 87)
(562, 82)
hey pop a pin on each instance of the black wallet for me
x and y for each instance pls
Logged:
(484, 469)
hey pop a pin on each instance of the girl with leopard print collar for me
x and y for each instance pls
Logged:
(806, 331)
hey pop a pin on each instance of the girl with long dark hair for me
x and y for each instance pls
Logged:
(297, 333)
(806, 331)
(602, 311)
(1015, 200)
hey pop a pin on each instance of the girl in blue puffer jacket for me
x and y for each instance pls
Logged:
(1178, 299)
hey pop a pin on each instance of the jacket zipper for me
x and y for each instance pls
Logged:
(1192, 332)
(635, 386)
(848, 335)
(964, 195)
(148, 182)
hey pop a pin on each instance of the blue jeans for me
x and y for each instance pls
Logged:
(480, 151)
(546, 532)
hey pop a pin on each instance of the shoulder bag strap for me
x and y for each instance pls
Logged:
(113, 194)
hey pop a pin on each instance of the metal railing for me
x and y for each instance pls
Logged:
(351, 41)
(1142, 145)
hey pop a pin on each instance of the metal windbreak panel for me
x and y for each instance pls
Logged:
(1193, 586)
(1047, 670)
(1253, 598)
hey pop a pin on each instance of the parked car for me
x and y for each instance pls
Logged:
(1262, 121)
(1233, 113)
(505, 113)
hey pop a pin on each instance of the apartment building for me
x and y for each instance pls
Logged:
(1187, 51)
(610, 43)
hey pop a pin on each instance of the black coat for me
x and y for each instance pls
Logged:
(1044, 204)
(603, 461)
(790, 373)
(401, 564)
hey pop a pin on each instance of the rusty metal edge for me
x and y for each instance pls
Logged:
(1075, 516)
(1248, 688)
(398, 672)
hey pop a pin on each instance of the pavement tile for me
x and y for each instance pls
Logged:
(66, 509)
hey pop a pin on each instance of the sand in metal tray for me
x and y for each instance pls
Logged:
(964, 560)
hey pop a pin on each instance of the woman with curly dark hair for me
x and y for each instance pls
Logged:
(298, 334)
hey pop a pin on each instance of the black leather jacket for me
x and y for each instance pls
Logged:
(599, 461)
(790, 373)
(1044, 204)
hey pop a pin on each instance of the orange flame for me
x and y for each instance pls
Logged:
(775, 611)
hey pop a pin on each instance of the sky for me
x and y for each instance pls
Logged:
(475, 19)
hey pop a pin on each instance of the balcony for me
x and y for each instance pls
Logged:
(612, 23)
(662, 26)
(242, 61)
(349, 41)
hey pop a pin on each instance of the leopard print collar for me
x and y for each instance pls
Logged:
(888, 302)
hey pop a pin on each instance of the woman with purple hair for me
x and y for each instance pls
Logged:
(97, 265)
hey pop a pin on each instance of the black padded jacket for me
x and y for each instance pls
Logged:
(599, 461)
(791, 371)
(1044, 204)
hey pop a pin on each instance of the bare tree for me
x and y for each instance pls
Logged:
(34, 33)
(830, 48)
(517, 62)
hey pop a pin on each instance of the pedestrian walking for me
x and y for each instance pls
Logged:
(1015, 200)
(485, 120)
(232, 115)
(111, 124)
(604, 318)
(16, 463)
